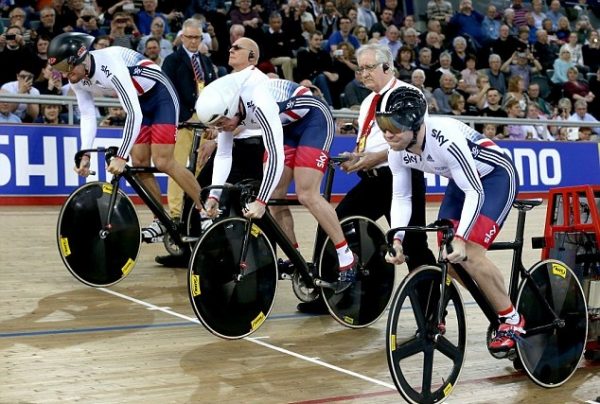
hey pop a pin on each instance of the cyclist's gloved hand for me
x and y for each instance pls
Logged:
(212, 207)
(459, 252)
(84, 166)
(255, 210)
(399, 258)
(117, 165)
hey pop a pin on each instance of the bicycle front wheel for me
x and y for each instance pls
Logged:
(364, 302)
(556, 323)
(425, 357)
(230, 298)
(95, 255)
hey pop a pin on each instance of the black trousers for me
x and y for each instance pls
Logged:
(372, 197)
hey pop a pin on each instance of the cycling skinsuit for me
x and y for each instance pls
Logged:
(483, 180)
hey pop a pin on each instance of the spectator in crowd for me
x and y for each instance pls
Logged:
(537, 12)
(433, 41)
(366, 17)
(392, 40)
(494, 74)
(554, 14)
(576, 51)
(446, 67)
(424, 64)
(48, 25)
(520, 11)
(582, 115)
(533, 93)
(561, 66)
(410, 38)
(418, 80)
(505, 45)
(6, 108)
(40, 56)
(541, 131)
(547, 26)
(515, 131)
(361, 34)
(101, 42)
(62, 16)
(583, 28)
(157, 31)
(343, 6)
(405, 63)
(532, 29)
(71, 14)
(327, 21)
(316, 66)
(408, 23)
(508, 19)
(146, 15)
(477, 98)
(457, 104)
(50, 115)
(23, 85)
(523, 64)
(577, 89)
(590, 51)
(490, 26)
(562, 135)
(523, 37)
(562, 112)
(18, 17)
(442, 94)
(544, 51)
(123, 31)
(344, 64)
(386, 19)
(87, 22)
(493, 107)
(250, 19)
(398, 11)
(470, 75)
(344, 34)
(516, 91)
(50, 82)
(432, 26)
(279, 48)
(152, 51)
(439, 10)
(459, 53)
(586, 135)
(564, 30)
(354, 93)
(490, 130)
(116, 117)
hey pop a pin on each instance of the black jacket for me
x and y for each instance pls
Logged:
(178, 67)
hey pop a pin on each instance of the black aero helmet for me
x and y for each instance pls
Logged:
(401, 109)
(68, 50)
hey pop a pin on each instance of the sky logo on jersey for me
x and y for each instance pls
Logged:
(321, 160)
(475, 151)
(489, 236)
(105, 70)
(437, 135)
(251, 105)
(410, 158)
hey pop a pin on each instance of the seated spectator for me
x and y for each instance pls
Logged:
(508, 19)
(562, 112)
(523, 64)
(433, 42)
(87, 22)
(40, 56)
(516, 91)
(424, 63)
(278, 47)
(345, 66)
(552, 38)
(418, 80)
(590, 51)
(457, 104)
(490, 27)
(101, 42)
(544, 51)
(410, 38)
(366, 17)
(316, 66)
(581, 115)
(561, 66)
(361, 34)
(51, 82)
(586, 135)
(442, 94)
(354, 93)
(540, 132)
(386, 19)
(537, 11)
(157, 31)
(152, 51)
(6, 114)
(14, 54)
(575, 49)
(533, 93)
(50, 115)
(23, 85)
(432, 26)
(459, 53)
(18, 17)
(490, 130)
(405, 65)
(554, 13)
(327, 21)
(398, 11)
(48, 25)
(523, 37)
(477, 99)
(446, 67)
(439, 10)
(146, 15)
(492, 107)
(123, 31)
(506, 45)
(115, 117)
(520, 12)
(515, 131)
(583, 29)
(496, 77)
(344, 34)
(470, 75)
(576, 89)
(392, 40)
(564, 30)
(562, 135)
(407, 25)
(467, 23)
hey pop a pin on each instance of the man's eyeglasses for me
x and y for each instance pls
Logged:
(191, 37)
(367, 68)
(18, 16)
(237, 47)
(87, 18)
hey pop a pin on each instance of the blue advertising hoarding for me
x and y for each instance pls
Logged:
(38, 161)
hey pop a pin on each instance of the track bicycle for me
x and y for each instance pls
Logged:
(98, 231)
(426, 328)
(234, 270)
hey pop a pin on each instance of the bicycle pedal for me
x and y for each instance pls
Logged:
(153, 240)
(285, 277)
(324, 284)
(189, 239)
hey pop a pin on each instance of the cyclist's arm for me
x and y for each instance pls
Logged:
(222, 162)
(121, 81)
(87, 110)
(267, 115)
(464, 173)
(401, 210)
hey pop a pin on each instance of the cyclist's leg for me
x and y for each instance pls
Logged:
(141, 156)
(282, 214)
(181, 152)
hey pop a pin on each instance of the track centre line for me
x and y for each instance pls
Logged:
(256, 340)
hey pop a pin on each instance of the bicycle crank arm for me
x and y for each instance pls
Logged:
(324, 284)
(188, 239)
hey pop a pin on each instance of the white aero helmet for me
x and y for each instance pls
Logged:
(220, 98)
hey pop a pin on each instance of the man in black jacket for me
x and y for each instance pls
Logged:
(190, 71)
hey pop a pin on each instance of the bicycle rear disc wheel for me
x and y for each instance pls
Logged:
(365, 301)
(424, 362)
(550, 355)
(227, 307)
(93, 257)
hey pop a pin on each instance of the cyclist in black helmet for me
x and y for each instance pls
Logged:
(147, 96)
(482, 187)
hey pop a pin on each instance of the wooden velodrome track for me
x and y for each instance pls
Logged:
(139, 341)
